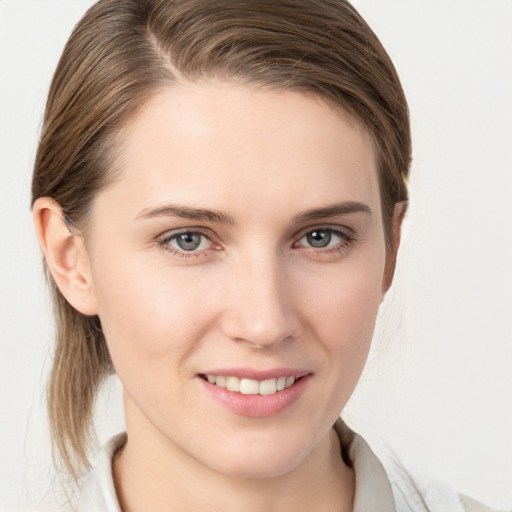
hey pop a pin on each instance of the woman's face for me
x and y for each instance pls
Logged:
(242, 243)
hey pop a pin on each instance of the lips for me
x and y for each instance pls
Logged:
(251, 386)
(253, 393)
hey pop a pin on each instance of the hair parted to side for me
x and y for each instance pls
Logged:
(120, 54)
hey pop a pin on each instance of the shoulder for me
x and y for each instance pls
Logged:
(98, 490)
(414, 490)
(49, 508)
(409, 490)
(410, 486)
(470, 505)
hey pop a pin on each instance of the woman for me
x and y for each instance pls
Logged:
(218, 192)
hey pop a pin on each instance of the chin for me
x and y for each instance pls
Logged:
(262, 457)
(259, 468)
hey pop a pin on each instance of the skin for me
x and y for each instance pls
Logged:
(254, 294)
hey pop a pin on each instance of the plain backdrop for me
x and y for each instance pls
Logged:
(438, 387)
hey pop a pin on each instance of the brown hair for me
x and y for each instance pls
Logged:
(120, 54)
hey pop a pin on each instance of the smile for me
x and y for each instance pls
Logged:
(256, 394)
(251, 386)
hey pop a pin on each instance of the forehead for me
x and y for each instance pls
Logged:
(196, 142)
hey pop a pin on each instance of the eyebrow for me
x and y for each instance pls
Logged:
(186, 212)
(335, 210)
(201, 214)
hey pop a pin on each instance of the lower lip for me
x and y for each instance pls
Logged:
(257, 406)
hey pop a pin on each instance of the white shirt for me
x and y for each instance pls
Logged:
(376, 489)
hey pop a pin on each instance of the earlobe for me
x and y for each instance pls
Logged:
(65, 254)
(389, 271)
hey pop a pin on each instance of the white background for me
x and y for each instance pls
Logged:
(438, 387)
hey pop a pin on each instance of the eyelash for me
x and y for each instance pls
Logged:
(347, 238)
(165, 241)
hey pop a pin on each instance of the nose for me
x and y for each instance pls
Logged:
(259, 308)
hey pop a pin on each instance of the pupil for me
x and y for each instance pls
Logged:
(189, 241)
(319, 238)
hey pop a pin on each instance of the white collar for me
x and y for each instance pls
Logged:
(373, 489)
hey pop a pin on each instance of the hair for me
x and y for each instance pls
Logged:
(120, 54)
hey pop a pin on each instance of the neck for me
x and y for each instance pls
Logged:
(148, 477)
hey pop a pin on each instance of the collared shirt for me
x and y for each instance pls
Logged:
(376, 489)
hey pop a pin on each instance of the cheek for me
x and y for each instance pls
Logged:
(148, 314)
(344, 303)
(342, 313)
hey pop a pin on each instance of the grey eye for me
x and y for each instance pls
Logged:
(319, 238)
(187, 241)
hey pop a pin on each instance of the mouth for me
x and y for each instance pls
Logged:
(252, 386)
(256, 393)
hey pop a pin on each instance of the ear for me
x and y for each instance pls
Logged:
(65, 254)
(389, 270)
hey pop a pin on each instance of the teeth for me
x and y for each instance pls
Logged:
(233, 384)
(251, 386)
(268, 387)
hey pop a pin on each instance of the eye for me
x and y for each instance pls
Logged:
(188, 241)
(324, 238)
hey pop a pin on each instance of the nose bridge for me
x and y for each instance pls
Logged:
(260, 307)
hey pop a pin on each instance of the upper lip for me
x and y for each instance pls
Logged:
(252, 373)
